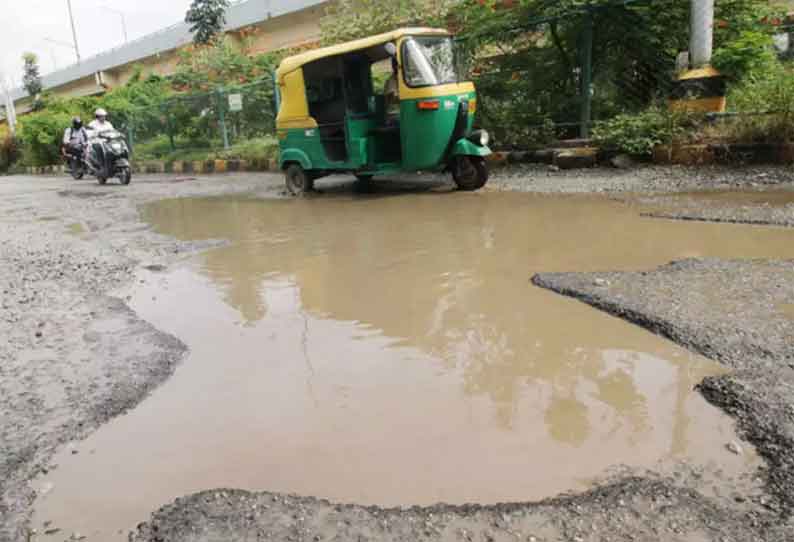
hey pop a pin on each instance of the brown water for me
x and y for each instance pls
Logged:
(392, 350)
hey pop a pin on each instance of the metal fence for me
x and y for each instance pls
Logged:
(558, 77)
(545, 79)
(216, 120)
(562, 74)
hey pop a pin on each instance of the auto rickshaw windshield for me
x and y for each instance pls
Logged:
(429, 61)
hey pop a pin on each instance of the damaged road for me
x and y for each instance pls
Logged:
(73, 356)
(767, 207)
(736, 312)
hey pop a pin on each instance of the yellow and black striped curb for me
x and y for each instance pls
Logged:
(691, 155)
(179, 166)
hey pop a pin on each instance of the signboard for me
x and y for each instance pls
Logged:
(235, 102)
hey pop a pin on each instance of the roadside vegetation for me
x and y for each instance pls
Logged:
(524, 58)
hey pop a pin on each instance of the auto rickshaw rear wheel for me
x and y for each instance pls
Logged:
(298, 181)
(469, 172)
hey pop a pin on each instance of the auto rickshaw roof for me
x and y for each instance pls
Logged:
(292, 63)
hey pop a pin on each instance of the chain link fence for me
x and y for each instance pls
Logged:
(561, 75)
(540, 81)
(219, 121)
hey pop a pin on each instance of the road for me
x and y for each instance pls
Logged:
(67, 367)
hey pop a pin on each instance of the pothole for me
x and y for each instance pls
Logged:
(391, 351)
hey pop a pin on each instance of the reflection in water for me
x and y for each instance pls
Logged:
(393, 351)
(450, 275)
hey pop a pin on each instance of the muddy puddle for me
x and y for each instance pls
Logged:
(391, 350)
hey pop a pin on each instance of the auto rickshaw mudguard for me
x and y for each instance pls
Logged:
(464, 147)
(295, 155)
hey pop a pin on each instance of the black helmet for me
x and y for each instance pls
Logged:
(77, 123)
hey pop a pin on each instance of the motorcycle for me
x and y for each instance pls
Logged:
(109, 156)
(73, 156)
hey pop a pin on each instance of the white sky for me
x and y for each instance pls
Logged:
(24, 25)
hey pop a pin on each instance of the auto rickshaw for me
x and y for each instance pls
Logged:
(333, 117)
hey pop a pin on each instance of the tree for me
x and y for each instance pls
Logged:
(528, 55)
(31, 79)
(207, 18)
(350, 19)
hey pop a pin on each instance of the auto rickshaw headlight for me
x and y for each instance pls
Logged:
(480, 137)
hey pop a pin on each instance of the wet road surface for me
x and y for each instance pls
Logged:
(390, 350)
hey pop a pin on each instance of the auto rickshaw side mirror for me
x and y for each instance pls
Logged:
(391, 49)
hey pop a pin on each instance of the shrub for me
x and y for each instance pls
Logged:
(41, 134)
(752, 52)
(252, 149)
(637, 134)
(261, 148)
(765, 103)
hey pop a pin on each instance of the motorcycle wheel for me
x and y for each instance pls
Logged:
(102, 180)
(125, 176)
(77, 173)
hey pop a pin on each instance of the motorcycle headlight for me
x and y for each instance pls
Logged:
(480, 137)
(116, 146)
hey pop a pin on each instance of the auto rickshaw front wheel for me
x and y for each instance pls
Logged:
(298, 180)
(469, 172)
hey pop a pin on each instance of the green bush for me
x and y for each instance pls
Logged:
(751, 53)
(765, 103)
(40, 135)
(261, 148)
(252, 149)
(637, 134)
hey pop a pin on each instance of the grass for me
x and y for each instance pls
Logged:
(260, 148)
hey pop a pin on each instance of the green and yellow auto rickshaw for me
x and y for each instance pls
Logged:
(336, 113)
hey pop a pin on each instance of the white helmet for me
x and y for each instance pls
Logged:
(100, 113)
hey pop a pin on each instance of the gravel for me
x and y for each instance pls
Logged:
(73, 356)
(645, 179)
(687, 208)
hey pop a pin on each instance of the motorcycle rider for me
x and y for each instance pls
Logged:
(100, 123)
(97, 126)
(75, 138)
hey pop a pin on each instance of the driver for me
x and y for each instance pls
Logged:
(100, 123)
(96, 127)
(391, 92)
